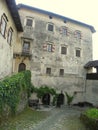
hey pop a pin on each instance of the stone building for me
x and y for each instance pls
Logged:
(10, 27)
(56, 49)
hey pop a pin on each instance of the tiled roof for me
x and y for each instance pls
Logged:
(14, 12)
(56, 15)
(91, 64)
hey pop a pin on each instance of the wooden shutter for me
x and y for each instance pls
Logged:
(45, 47)
(53, 48)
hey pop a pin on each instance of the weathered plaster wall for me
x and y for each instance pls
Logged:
(6, 50)
(92, 91)
(72, 65)
(74, 72)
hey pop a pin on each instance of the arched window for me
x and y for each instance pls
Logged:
(22, 67)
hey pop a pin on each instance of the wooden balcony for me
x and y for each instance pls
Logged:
(23, 53)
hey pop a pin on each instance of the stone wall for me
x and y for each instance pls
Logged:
(73, 66)
(92, 91)
(43, 59)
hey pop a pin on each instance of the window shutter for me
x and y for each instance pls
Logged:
(81, 36)
(45, 47)
(75, 34)
(61, 30)
(68, 33)
(5, 32)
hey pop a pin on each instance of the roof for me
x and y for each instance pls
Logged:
(56, 15)
(91, 64)
(15, 15)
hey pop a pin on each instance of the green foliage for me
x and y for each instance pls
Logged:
(11, 87)
(43, 90)
(69, 98)
(55, 99)
(90, 118)
(92, 113)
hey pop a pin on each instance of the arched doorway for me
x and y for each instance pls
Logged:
(21, 67)
(46, 99)
(60, 99)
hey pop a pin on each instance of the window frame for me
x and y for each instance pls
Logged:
(24, 48)
(62, 50)
(78, 52)
(3, 25)
(9, 36)
(78, 34)
(50, 24)
(64, 30)
(26, 21)
(49, 47)
(48, 71)
(61, 72)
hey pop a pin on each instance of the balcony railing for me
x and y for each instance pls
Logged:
(24, 52)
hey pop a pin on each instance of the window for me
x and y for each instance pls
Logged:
(3, 24)
(64, 50)
(9, 37)
(48, 71)
(61, 73)
(49, 47)
(64, 30)
(78, 52)
(29, 22)
(77, 34)
(26, 47)
(50, 27)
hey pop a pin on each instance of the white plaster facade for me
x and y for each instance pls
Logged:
(6, 47)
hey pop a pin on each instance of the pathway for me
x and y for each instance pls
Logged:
(61, 119)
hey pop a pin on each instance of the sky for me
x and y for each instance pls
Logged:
(80, 10)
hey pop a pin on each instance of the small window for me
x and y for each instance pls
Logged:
(64, 50)
(9, 37)
(78, 53)
(49, 47)
(48, 71)
(26, 47)
(3, 24)
(29, 22)
(77, 34)
(50, 27)
(64, 30)
(61, 73)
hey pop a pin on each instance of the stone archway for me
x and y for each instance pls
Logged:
(46, 99)
(21, 67)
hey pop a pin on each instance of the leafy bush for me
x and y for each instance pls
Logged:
(11, 87)
(90, 118)
(92, 113)
(69, 98)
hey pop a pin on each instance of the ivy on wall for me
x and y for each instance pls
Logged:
(10, 89)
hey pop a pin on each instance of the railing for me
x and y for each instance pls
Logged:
(24, 52)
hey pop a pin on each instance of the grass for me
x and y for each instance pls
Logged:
(24, 121)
